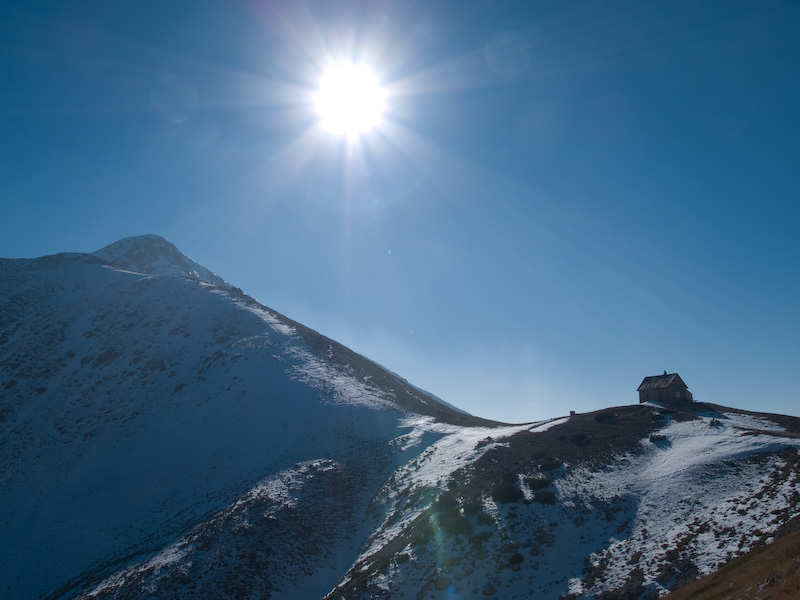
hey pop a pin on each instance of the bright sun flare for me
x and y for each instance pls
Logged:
(350, 101)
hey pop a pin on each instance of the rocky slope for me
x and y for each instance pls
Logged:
(624, 503)
(164, 435)
(769, 572)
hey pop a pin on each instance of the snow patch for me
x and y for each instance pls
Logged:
(708, 456)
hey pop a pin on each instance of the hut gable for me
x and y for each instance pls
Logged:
(668, 387)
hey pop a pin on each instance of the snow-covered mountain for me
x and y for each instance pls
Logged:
(164, 435)
(153, 254)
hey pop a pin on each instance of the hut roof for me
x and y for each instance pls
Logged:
(660, 382)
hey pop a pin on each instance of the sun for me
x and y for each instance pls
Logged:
(350, 100)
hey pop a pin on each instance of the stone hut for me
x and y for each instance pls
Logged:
(668, 387)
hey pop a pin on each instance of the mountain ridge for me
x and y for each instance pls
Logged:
(162, 432)
(106, 369)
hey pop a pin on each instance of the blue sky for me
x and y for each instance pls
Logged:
(562, 198)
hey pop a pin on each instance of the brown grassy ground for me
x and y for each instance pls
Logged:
(770, 572)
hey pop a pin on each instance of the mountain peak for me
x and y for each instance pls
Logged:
(152, 254)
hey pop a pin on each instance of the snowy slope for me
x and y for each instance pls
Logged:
(444, 525)
(707, 491)
(547, 513)
(164, 435)
(132, 405)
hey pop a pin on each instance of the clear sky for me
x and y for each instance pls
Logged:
(561, 198)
